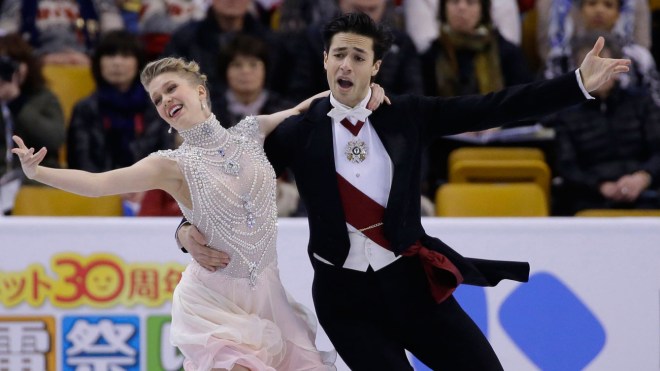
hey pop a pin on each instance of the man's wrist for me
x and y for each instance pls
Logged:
(580, 81)
(176, 235)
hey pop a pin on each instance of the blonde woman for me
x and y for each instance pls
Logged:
(240, 317)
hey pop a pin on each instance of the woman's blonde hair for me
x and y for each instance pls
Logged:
(189, 70)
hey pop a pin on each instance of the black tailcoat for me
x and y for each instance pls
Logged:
(305, 144)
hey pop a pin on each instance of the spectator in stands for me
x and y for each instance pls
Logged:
(29, 108)
(558, 21)
(297, 15)
(400, 73)
(608, 149)
(116, 125)
(244, 69)
(62, 32)
(203, 40)
(422, 20)
(470, 56)
(158, 19)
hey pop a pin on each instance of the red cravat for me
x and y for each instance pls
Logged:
(354, 129)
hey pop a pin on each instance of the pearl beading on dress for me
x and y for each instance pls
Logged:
(232, 186)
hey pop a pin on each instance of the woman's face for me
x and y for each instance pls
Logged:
(463, 15)
(177, 100)
(246, 74)
(600, 14)
(119, 70)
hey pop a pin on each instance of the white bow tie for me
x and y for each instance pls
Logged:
(359, 113)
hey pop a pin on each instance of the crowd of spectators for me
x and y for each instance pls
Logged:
(265, 55)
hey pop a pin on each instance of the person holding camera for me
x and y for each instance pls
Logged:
(29, 110)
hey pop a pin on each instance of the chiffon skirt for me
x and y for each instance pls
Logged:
(219, 321)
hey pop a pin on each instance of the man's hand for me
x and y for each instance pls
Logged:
(595, 71)
(632, 185)
(627, 188)
(193, 240)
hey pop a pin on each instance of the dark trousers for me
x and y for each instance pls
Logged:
(372, 317)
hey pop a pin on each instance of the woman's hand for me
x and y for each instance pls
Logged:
(268, 123)
(304, 105)
(29, 160)
(377, 97)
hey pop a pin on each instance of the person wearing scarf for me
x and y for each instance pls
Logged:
(116, 125)
(470, 56)
(244, 65)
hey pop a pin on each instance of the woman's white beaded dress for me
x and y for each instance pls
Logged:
(239, 314)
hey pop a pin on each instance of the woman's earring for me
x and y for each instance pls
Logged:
(170, 130)
(203, 105)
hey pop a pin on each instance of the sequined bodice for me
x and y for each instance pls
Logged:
(232, 186)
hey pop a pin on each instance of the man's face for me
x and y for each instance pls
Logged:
(349, 65)
(600, 14)
(373, 8)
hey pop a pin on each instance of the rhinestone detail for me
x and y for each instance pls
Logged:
(232, 186)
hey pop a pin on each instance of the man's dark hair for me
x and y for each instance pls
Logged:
(361, 24)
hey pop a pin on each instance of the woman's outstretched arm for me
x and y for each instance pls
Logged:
(149, 173)
(268, 123)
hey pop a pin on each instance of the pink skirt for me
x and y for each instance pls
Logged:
(219, 321)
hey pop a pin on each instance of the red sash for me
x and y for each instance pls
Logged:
(366, 215)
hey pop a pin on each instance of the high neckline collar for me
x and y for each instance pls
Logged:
(207, 134)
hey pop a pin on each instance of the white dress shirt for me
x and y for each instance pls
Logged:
(373, 177)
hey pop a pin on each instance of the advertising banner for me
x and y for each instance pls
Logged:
(95, 293)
